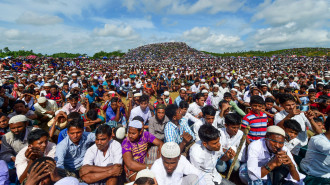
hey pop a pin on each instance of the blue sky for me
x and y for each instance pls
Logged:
(86, 26)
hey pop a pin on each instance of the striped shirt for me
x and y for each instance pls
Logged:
(173, 133)
(258, 125)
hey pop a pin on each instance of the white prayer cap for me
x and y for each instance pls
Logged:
(51, 80)
(111, 92)
(170, 150)
(120, 133)
(137, 94)
(233, 89)
(20, 85)
(148, 80)
(276, 130)
(216, 86)
(74, 74)
(236, 85)
(135, 124)
(42, 100)
(138, 86)
(47, 85)
(166, 93)
(95, 77)
(18, 118)
(203, 80)
(65, 78)
(204, 91)
(145, 173)
(183, 89)
(68, 181)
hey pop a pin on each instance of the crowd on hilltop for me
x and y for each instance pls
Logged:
(165, 114)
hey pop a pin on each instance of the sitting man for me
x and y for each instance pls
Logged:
(205, 153)
(177, 129)
(73, 105)
(71, 150)
(316, 162)
(21, 108)
(16, 139)
(230, 140)
(195, 108)
(45, 109)
(145, 109)
(207, 118)
(173, 168)
(269, 161)
(38, 147)
(102, 161)
(135, 149)
(157, 122)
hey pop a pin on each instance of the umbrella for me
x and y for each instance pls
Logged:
(105, 57)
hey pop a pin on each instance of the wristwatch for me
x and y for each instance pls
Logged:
(268, 168)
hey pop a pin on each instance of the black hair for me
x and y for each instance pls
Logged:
(286, 97)
(233, 119)
(170, 111)
(304, 87)
(292, 124)
(227, 95)
(139, 118)
(208, 133)
(54, 86)
(93, 106)
(256, 99)
(100, 86)
(84, 81)
(208, 110)
(74, 96)
(327, 124)
(40, 161)
(89, 89)
(36, 134)
(269, 100)
(144, 181)
(3, 114)
(74, 115)
(288, 90)
(199, 96)
(326, 87)
(144, 98)
(317, 120)
(183, 104)
(19, 101)
(312, 91)
(104, 129)
(92, 114)
(114, 100)
(222, 102)
(79, 123)
(66, 83)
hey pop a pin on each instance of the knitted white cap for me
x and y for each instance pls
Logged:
(18, 118)
(276, 130)
(170, 150)
(135, 124)
(145, 173)
(42, 100)
(120, 133)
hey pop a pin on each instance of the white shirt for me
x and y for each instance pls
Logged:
(259, 156)
(301, 139)
(95, 157)
(190, 117)
(206, 160)
(194, 109)
(184, 167)
(195, 89)
(232, 142)
(50, 106)
(137, 111)
(215, 100)
(201, 122)
(223, 90)
(21, 161)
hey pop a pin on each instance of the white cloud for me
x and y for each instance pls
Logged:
(135, 23)
(114, 31)
(304, 12)
(197, 33)
(183, 6)
(39, 20)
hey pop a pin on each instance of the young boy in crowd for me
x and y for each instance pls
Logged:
(4, 126)
(91, 96)
(270, 110)
(205, 153)
(292, 129)
(256, 119)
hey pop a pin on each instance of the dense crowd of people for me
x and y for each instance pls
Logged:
(165, 114)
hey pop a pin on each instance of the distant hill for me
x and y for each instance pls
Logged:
(282, 52)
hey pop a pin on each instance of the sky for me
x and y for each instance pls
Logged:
(89, 26)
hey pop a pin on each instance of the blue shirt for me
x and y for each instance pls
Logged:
(39, 84)
(4, 174)
(62, 135)
(178, 100)
(91, 99)
(173, 133)
(94, 87)
(70, 156)
(110, 114)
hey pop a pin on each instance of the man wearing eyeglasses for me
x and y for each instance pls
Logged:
(270, 162)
